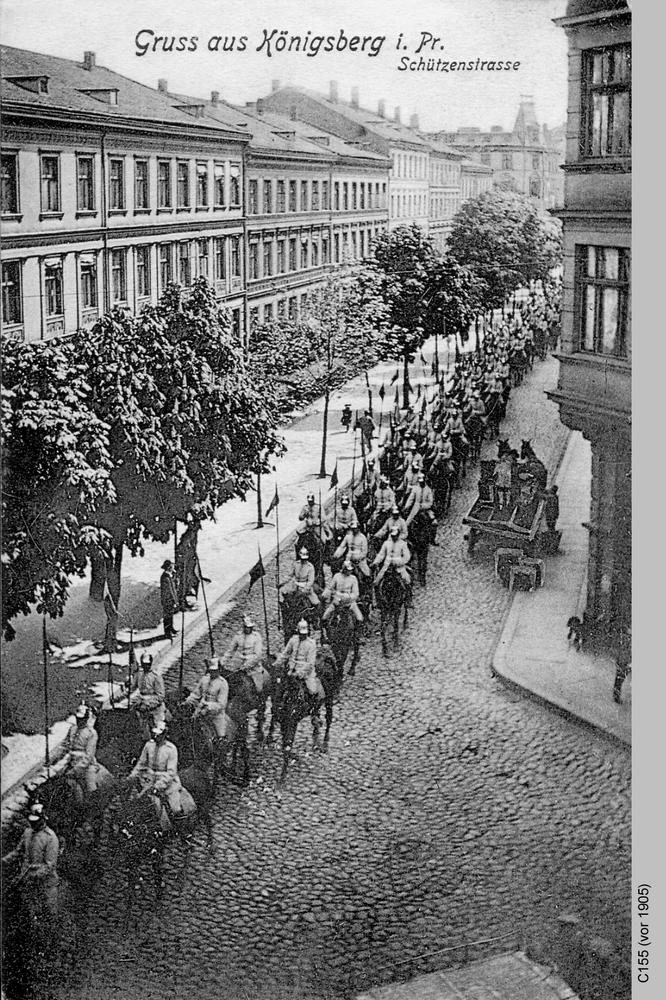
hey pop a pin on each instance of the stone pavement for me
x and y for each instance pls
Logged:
(534, 652)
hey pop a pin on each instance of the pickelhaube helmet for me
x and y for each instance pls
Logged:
(303, 626)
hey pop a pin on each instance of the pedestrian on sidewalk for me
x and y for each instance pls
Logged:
(367, 427)
(622, 662)
(551, 508)
(168, 597)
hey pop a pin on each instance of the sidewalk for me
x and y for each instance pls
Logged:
(533, 652)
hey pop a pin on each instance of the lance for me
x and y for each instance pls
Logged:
(277, 555)
(109, 678)
(45, 653)
(263, 601)
(203, 591)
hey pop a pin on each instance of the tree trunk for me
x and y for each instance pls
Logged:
(405, 382)
(322, 467)
(112, 599)
(97, 578)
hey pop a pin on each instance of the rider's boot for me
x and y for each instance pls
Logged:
(433, 534)
(410, 596)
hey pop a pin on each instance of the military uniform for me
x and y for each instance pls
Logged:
(82, 745)
(211, 696)
(314, 519)
(393, 553)
(356, 547)
(384, 499)
(148, 696)
(300, 654)
(157, 768)
(248, 649)
(301, 580)
(345, 518)
(393, 522)
(344, 591)
(420, 498)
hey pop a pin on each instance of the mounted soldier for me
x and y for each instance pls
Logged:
(300, 655)
(210, 697)
(396, 520)
(311, 514)
(301, 578)
(148, 695)
(82, 745)
(394, 552)
(354, 546)
(421, 499)
(343, 592)
(244, 655)
(38, 849)
(345, 516)
(157, 771)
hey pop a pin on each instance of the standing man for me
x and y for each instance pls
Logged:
(148, 696)
(39, 848)
(169, 598)
(367, 426)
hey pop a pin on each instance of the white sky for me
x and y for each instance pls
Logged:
(516, 30)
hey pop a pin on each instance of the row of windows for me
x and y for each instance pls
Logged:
(444, 173)
(270, 256)
(410, 165)
(214, 259)
(409, 205)
(444, 206)
(179, 183)
(269, 196)
(285, 307)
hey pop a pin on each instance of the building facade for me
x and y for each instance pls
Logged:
(109, 192)
(527, 159)
(594, 387)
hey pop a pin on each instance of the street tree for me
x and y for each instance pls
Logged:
(421, 288)
(56, 469)
(187, 428)
(505, 242)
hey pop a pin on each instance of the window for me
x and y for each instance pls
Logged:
(220, 267)
(292, 197)
(234, 186)
(281, 308)
(116, 184)
(142, 272)
(141, 188)
(50, 183)
(535, 188)
(315, 196)
(118, 276)
(325, 250)
(292, 308)
(304, 252)
(254, 317)
(254, 260)
(236, 323)
(293, 265)
(507, 161)
(370, 196)
(10, 187)
(280, 198)
(606, 94)
(325, 196)
(202, 185)
(53, 289)
(354, 243)
(164, 184)
(184, 271)
(315, 253)
(165, 265)
(12, 300)
(304, 196)
(536, 161)
(268, 257)
(336, 248)
(183, 185)
(345, 197)
(361, 204)
(85, 184)
(268, 197)
(336, 196)
(281, 263)
(353, 197)
(235, 257)
(88, 284)
(253, 198)
(485, 158)
(603, 299)
(202, 258)
(268, 312)
(218, 186)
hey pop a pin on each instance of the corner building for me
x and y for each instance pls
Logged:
(594, 387)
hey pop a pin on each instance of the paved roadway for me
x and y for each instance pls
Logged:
(449, 809)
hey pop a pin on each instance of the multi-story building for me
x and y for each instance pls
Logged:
(594, 386)
(445, 190)
(527, 159)
(475, 178)
(110, 190)
(409, 177)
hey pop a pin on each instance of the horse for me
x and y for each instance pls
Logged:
(460, 448)
(144, 824)
(251, 693)
(420, 531)
(295, 606)
(292, 703)
(313, 542)
(534, 465)
(391, 597)
(69, 808)
(196, 742)
(121, 738)
(344, 637)
(475, 430)
(503, 447)
(442, 475)
(496, 411)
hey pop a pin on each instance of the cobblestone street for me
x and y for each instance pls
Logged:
(448, 809)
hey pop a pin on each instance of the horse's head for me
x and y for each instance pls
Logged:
(526, 449)
(137, 826)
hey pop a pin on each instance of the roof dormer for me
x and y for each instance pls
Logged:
(36, 84)
(107, 95)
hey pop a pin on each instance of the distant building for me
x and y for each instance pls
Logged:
(594, 387)
(527, 159)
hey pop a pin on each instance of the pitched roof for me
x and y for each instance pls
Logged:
(71, 88)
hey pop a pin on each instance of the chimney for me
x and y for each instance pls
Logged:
(334, 91)
(163, 86)
(88, 60)
(250, 105)
(381, 109)
(354, 100)
(214, 97)
(396, 115)
(292, 113)
(414, 122)
(275, 85)
(260, 105)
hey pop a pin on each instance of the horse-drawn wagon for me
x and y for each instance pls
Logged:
(511, 517)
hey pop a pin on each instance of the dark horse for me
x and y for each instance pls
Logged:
(475, 429)
(144, 825)
(313, 542)
(291, 702)
(344, 637)
(391, 597)
(534, 465)
(419, 542)
(294, 607)
(442, 475)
